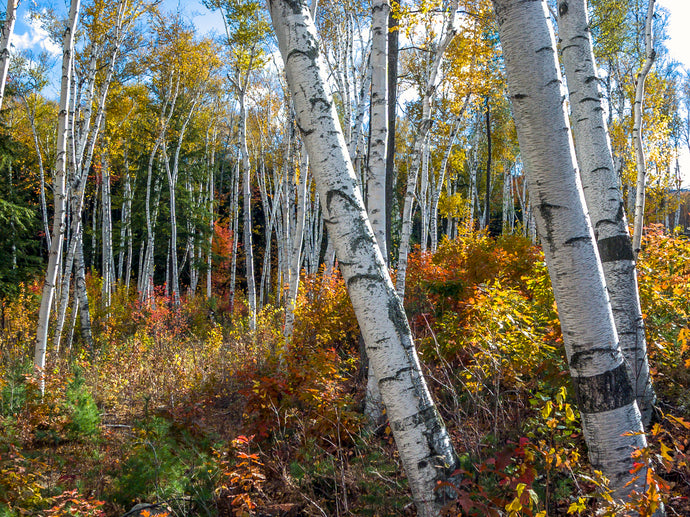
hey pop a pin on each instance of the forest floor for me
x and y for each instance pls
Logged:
(186, 408)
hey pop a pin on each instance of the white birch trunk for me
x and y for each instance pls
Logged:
(650, 55)
(7, 29)
(247, 214)
(449, 32)
(235, 233)
(603, 196)
(296, 255)
(420, 434)
(605, 395)
(59, 191)
(108, 269)
(376, 177)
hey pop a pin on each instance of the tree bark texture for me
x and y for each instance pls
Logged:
(59, 191)
(7, 30)
(650, 55)
(605, 395)
(420, 434)
(602, 193)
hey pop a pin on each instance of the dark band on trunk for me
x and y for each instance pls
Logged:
(615, 248)
(604, 392)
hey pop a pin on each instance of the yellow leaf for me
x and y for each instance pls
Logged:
(514, 506)
(546, 410)
(520, 488)
(569, 415)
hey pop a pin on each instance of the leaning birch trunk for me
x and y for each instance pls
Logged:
(449, 32)
(7, 29)
(650, 55)
(420, 434)
(603, 195)
(610, 417)
(59, 191)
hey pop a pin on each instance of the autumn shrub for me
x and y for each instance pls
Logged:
(18, 317)
(324, 316)
(241, 477)
(444, 280)
(664, 278)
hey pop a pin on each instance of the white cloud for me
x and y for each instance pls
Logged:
(35, 38)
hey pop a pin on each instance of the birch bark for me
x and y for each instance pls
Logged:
(650, 55)
(429, 94)
(7, 29)
(420, 434)
(376, 178)
(59, 191)
(604, 391)
(603, 195)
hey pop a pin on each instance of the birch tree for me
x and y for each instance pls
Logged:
(245, 30)
(420, 434)
(428, 95)
(59, 191)
(650, 55)
(7, 30)
(610, 418)
(602, 193)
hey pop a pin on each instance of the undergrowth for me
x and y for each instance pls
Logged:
(186, 408)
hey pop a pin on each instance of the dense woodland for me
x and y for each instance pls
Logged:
(309, 263)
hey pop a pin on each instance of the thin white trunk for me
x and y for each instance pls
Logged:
(247, 214)
(605, 395)
(376, 177)
(7, 29)
(59, 192)
(449, 31)
(603, 195)
(234, 204)
(297, 240)
(650, 55)
(108, 269)
(82, 298)
(420, 434)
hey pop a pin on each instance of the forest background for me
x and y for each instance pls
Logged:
(202, 353)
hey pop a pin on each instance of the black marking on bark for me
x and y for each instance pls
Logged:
(295, 5)
(362, 277)
(395, 378)
(615, 248)
(562, 9)
(304, 132)
(339, 193)
(589, 99)
(367, 238)
(311, 54)
(519, 96)
(604, 392)
(547, 48)
(576, 240)
(591, 78)
(396, 315)
(546, 210)
(584, 356)
(320, 100)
